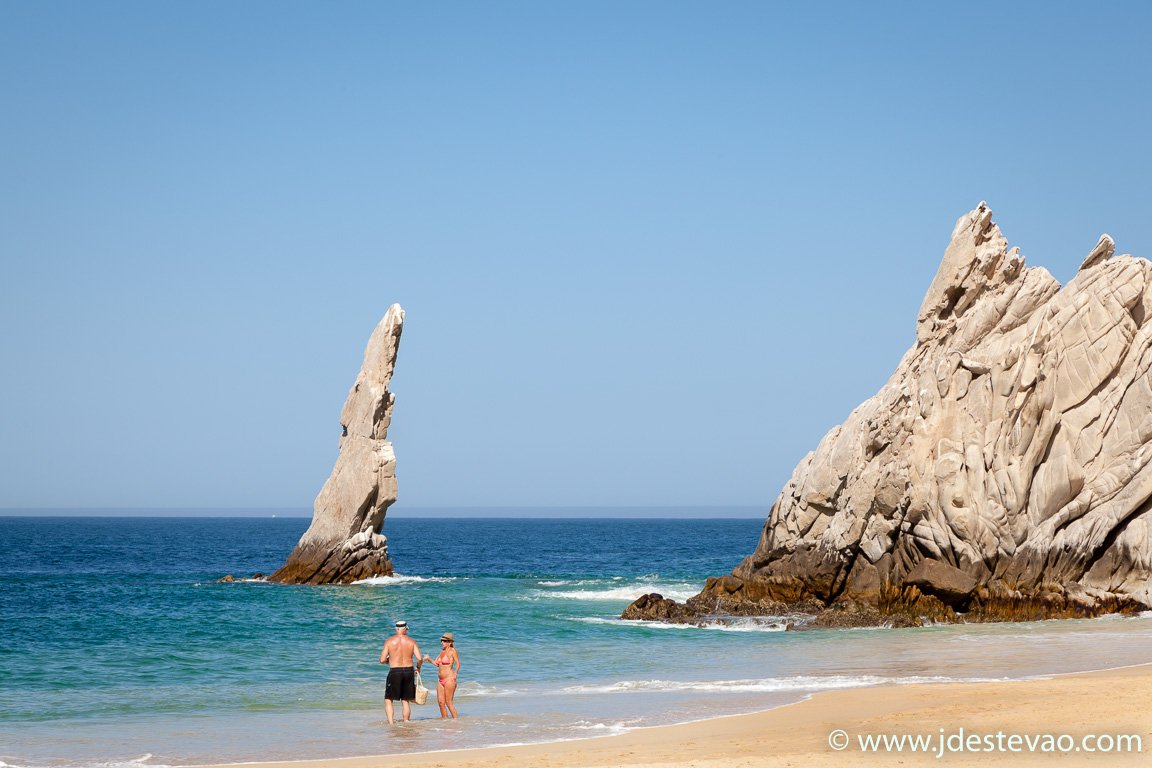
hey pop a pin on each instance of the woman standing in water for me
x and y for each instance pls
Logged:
(446, 687)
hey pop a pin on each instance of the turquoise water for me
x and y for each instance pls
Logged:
(120, 648)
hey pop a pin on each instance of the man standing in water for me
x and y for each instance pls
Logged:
(399, 653)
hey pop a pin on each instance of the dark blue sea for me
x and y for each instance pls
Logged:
(119, 646)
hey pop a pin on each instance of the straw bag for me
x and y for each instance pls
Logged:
(421, 691)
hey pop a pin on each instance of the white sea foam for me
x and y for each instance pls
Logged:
(774, 624)
(767, 685)
(627, 622)
(607, 729)
(137, 763)
(747, 625)
(626, 593)
(116, 764)
(398, 580)
(472, 688)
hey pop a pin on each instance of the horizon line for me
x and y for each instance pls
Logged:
(486, 511)
(427, 506)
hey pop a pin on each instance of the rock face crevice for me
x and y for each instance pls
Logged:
(1001, 472)
(344, 543)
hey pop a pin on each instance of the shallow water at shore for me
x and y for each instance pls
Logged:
(123, 649)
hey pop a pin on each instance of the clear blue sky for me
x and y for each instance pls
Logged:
(650, 251)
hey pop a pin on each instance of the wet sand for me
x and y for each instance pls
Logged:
(1077, 713)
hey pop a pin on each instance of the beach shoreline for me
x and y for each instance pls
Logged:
(252, 673)
(1096, 718)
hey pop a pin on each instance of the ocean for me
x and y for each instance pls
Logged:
(120, 647)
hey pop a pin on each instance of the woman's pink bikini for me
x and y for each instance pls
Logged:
(445, 659)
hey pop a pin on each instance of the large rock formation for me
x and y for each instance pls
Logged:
(344, 543)
(1002, 472)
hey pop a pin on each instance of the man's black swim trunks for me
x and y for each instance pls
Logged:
(401, 684)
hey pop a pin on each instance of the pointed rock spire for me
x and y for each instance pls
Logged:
(344, 543)
(1103, 251)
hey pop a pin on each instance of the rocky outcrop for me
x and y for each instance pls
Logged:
(344, 543)
(656, 607)
(1002, 472)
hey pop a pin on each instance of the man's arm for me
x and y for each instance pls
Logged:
(416, 657)
(384, 654)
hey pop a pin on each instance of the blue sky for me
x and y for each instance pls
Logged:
(649, 252)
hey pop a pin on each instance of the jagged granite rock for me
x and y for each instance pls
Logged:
(1001, 473)
(656, 607)
(344, 543)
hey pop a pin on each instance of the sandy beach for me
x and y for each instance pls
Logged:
(1050, 721)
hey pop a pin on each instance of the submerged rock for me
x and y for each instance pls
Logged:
(1003, 472)
(344, 543)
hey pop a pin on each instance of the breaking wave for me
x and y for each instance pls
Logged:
(398, 580)
(774, 624)
(767, 685)
(624, 593)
